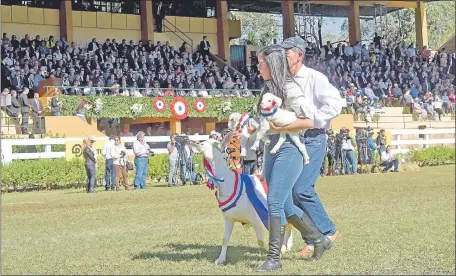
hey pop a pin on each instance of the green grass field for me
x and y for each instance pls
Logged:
(395, 223)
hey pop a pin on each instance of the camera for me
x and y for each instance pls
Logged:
(151, 152)
(229, 150)
(123, 154)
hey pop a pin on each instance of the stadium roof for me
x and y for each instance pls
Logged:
(318, 7)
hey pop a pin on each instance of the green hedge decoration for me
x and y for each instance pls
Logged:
(120, 107)
(50, 174)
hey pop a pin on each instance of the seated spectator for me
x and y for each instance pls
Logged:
(388, 160)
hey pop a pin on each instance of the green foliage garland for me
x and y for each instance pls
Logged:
(120, 107)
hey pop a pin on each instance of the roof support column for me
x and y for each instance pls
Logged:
(147, 20)
(223, 33)
(354, 26)
(66, 20)
(288, 19)
(421, 26)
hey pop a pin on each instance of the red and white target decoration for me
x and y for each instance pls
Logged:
(179, 108)
(159, 104)
(200, 105)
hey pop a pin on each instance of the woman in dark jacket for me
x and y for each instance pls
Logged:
(90, 164)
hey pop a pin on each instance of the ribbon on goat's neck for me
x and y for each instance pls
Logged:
(269, 111)
(244, 119)
(213, 181)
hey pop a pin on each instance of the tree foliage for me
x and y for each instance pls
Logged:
(259, 28)
(401, 25)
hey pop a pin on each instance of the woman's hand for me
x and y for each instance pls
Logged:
(274, 127)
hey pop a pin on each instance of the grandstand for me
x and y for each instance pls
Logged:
(114, 48)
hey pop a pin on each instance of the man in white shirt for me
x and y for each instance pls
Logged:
(325, 103)
(110, 176)
(141, 150)
(348, 146)
(172, 161)
(388, 160)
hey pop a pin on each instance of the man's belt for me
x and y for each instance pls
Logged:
(314, 132)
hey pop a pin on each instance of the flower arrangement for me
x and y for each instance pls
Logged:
(136, 109)
(223, 109)
(98, 106)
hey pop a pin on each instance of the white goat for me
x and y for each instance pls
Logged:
(234, 192)
(270, 110)
(247, 125)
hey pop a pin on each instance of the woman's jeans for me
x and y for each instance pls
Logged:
(90, 170)
(350, 161)
(281, 172)
(141, 172)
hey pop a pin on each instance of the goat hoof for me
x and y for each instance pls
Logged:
(219, 261)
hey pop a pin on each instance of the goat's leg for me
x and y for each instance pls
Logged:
(301, 147)
(287, 239)
(261, 133)
(282, 138)
(260, 230)
(229, 223)
(244, 137)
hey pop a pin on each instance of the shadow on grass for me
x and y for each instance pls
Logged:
(176, 253)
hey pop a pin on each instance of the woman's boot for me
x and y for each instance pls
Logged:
(276, 235)
(305, 225)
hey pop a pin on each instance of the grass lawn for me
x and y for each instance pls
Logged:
(395, 223)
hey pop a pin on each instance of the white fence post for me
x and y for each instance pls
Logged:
(398, 138)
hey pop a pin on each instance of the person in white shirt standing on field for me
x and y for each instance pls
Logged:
(388, 160)
(110, 176)
(326, 102)
(141, 150)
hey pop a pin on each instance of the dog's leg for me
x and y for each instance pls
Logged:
(301, 147)
(282, 138)
(226, 239)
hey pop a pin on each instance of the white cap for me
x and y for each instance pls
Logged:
(92, 138)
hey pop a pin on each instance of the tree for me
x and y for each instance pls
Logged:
(401, 25)
(258, 28)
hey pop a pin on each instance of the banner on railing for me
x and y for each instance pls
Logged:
(75, 149)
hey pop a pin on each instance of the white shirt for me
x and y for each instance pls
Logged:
(347, 145)
(107, 149)
(323, 99)
(140, 149)
(387, 156)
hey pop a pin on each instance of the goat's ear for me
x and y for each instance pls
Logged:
(278, 101)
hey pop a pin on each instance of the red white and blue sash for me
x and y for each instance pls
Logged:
(255, 189)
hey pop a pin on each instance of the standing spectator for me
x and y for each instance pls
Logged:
(381, 141)
(25, 110)
(372, 147)
(204, 46)
(348, 145)
(90, 164)
(110, 176)
(141, 150)
(37, 113)
(55, 104)
(119, 153)
(388, 160)
(159, 16)
(172, 161)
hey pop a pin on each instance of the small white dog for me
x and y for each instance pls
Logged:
(270, 110)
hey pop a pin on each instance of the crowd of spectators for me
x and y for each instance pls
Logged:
(368, 75)
(120, 69)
